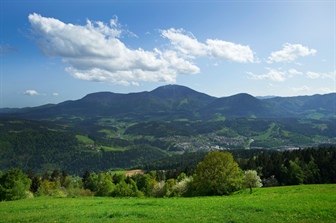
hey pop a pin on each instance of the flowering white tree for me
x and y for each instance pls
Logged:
(251, 179)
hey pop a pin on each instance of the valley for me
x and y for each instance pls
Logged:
(108, 130)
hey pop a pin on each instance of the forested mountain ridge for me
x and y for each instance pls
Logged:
(178, 102)
(108, 130)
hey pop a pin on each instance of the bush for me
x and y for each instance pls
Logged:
(14, 185)
(180, 188)
(159, 189)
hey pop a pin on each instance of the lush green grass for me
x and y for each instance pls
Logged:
(106, 131)
(107, 148)
(267, 134)
(85, 139)
(309, 203)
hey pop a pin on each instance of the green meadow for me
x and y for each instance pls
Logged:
(304, 203)
(85, 139)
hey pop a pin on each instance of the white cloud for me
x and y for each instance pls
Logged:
(55, 94)
(31, 92)
(94, 52)
(294, 72)
(314, 75)
(290, 52)
(271, 74)
(302, 88)
(188, 45)
(326, 90)
(185, 42)
(282, 75)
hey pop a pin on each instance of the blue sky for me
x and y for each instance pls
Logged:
(52, 51)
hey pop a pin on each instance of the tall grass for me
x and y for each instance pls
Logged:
(306, 203)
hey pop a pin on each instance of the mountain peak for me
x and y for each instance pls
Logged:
(175, 91)
(171, 88)
(243, 97)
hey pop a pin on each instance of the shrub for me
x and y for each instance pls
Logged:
(159, 189)
(14, 185)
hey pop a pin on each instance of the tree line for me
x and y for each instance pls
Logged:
(218, 173)
(310, 165)
(290, 167)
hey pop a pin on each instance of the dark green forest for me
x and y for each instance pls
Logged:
(100, 144)
(80, 158)
(214, 173)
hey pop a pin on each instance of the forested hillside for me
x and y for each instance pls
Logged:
(107, 130)
(173, 102)
(102, 144)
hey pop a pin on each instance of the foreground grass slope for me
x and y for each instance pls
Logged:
(305, 203)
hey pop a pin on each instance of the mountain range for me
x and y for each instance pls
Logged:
(108, 130)
(180, 102)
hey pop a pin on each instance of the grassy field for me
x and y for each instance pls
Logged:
(306, 203)
(108, 148)
(85, 139)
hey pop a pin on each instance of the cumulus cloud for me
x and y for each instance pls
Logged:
(314, 75)
(271, 74)
(290, 52)
(188, 45)
(31, 92)
(94, 52)
(294, 72)
(55, 94)
(279, 75)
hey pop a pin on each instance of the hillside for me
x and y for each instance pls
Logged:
(101, 144)
(108, 130)
(178, 102)
(304, 203)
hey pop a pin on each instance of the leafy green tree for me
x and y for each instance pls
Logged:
(251, 180)
(169, 187)
(14, 185)
(47, 188)
(295, 173)
(74, 186)
(144, 184)
(283, 175)
(55, 175)
(311, 172)
(36, 183)
(63, 178)
(129, 189)
(182, 177)
(118, 177)
(45, 176)
(217, 174)
(85, 178)
(105, 185)
(91, 182)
